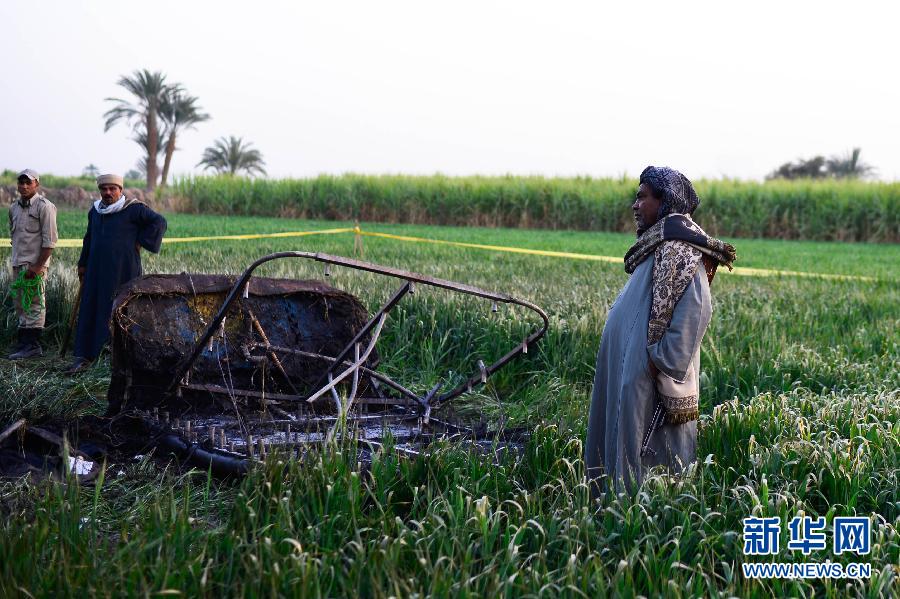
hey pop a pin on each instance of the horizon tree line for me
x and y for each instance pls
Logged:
(848, 166)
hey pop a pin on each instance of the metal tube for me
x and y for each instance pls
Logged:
(387, 307)
(356, 365)
(372, 373)
(355, 385)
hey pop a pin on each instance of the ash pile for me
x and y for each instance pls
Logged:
(222, 371)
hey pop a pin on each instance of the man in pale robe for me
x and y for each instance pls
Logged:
(644, 406)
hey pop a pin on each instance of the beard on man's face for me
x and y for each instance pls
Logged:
(640, 223)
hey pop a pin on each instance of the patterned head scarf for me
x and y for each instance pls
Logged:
(674, 190)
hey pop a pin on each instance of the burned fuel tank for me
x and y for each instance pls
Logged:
(158, 319)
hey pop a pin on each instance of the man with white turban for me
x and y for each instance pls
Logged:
(110, 256)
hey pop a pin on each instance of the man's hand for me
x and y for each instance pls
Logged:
(40, 265)
(81, 270)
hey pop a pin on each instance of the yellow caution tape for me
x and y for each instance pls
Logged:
(76, 243)
(60, 243)
(742, 271)
(767, 272)
(257, 235)
(495, 248)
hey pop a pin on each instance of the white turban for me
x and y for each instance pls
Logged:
(111, 180)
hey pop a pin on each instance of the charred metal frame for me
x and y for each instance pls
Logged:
(353, 357)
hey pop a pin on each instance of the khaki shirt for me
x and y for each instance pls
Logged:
(32, 226)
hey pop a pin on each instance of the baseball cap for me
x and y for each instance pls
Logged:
(30, 173)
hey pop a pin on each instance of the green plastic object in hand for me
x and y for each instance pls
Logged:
(29, 289)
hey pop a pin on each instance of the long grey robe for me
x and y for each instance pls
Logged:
(624, 392)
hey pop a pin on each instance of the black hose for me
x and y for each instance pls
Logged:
(195, 455)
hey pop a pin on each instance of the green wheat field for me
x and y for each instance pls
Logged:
(800, 407)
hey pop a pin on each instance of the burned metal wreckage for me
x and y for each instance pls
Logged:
(221, 371)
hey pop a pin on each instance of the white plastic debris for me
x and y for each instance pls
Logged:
(79, 466)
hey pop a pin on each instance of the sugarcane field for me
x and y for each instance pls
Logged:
(382, 312)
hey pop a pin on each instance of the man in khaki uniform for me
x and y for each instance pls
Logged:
(32, 229)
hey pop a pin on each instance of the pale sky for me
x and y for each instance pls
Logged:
(553, 88)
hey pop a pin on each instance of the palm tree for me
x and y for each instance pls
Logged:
(141, 139)
(231, 155)
(91, 170)
(849, 166)
(178, 111)
(150, 90)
